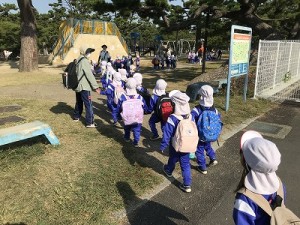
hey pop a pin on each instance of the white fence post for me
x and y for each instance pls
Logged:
(257, 68)
(276, 64)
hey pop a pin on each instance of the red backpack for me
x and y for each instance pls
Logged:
(164, 107)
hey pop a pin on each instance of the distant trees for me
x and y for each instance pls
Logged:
(269, 19)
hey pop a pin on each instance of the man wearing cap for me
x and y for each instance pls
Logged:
(104, 55)
(87, 83)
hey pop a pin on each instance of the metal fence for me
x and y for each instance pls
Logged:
(278, 70)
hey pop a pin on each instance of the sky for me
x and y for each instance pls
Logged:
(42, 6)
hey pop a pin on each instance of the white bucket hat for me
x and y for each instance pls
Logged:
(160, 87)
(123, 73)
(131, 86)
(172, 93)
(139, 79)
(263, 158)
(181, 101)
(206, 96)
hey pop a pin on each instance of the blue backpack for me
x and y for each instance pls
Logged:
(209, 125)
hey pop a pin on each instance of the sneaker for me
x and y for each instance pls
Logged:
(153, 138)
(202, 171)
(213, 162)
(75, 119)
(126, 140)
(136, 145)
(93, 125)
(185, 188)
(167, 173)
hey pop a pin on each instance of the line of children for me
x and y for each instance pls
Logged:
(182, 109)
(181, 101)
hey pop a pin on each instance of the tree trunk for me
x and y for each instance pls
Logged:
(29, 50)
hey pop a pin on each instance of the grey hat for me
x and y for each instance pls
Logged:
(206, 96)
(181, 101)
(263, 157)
(131, 86)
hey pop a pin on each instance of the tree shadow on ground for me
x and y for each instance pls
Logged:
(133, 154)
(149, 212)
(15, 223)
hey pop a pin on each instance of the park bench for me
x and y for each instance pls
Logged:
(25, 131)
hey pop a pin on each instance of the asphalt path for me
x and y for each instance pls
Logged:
(212, 197)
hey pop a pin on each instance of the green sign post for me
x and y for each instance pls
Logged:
(240, 45)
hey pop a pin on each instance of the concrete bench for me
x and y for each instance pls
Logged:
(25, 131)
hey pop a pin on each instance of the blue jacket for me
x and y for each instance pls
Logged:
(247, 212)
(153, 103)
(110, 92)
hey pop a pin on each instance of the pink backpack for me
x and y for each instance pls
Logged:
(132, 111)
(186, 135)
(119, 90)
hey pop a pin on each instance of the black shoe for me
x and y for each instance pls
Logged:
(167, 173)
(185, 188)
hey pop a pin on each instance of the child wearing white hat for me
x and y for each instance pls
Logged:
(158, 91)
(206, 103)
(137, 114)
(110, 92)
(260, 159)
(141, 89)
(182, 108)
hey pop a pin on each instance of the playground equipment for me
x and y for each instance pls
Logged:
(182, 46)
(73, 33)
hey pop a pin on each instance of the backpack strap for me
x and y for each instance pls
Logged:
(261, 201)
(182, 118)
(83, 70)
(258, 199)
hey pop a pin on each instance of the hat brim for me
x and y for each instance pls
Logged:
(249, 135)
(182, 109)
(89, 50)
(158, 92)
(104, 46)
(207, 101)
(262, 183)
(173, 93)
(131, 91)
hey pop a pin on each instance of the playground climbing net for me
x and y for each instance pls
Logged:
(278, 70)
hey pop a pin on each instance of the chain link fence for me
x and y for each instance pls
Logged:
(278, 70)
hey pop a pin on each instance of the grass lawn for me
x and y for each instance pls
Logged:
(79, 181)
